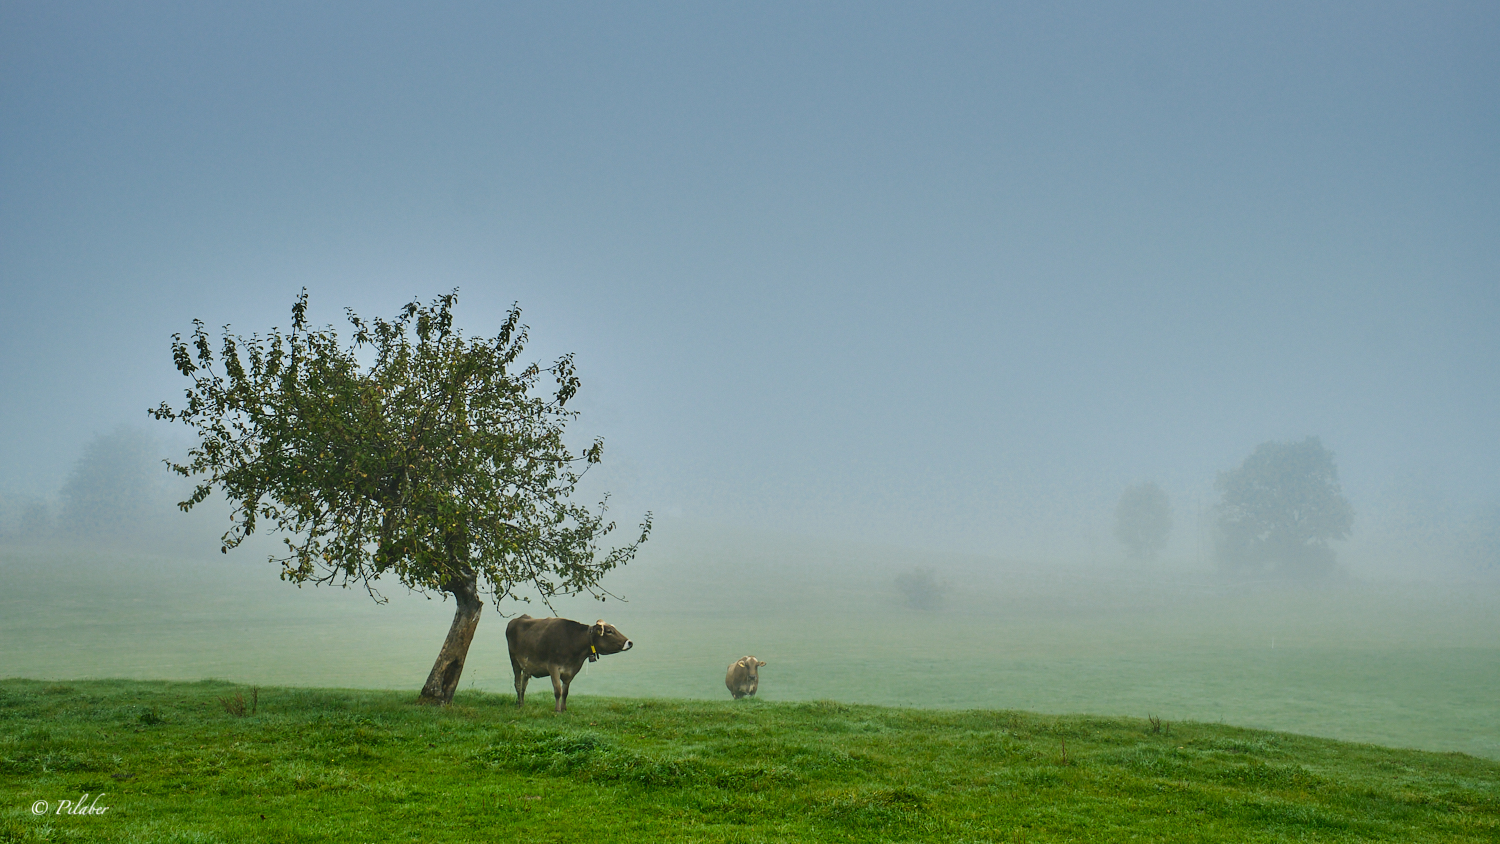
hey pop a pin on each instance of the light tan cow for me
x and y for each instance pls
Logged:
(743, 677)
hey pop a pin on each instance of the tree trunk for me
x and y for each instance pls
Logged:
(443, 681)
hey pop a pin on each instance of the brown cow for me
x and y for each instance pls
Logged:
(557, 647)
(743, 677)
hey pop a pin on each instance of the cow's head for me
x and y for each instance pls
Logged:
(752, 665)
(607, 639)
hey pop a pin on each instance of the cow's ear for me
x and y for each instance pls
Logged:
(761, 663)
(598, 628)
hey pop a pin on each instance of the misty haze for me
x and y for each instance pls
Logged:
(1136, 363)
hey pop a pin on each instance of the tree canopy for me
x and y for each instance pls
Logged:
(1143, 521)
(412, 452)
(1281, 508)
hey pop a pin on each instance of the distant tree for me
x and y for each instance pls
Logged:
(1280, 509)
(116, 488)
(434, 461)
(1143, 521)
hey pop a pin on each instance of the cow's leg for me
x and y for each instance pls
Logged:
(559, 691)
(521, 678)
(567, 681)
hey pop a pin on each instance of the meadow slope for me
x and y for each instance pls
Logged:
(179, 762)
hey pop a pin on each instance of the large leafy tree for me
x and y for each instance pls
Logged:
(412, 452)
(1281, 508)
(1143, 521)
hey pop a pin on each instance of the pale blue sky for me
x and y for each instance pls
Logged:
(945, 275)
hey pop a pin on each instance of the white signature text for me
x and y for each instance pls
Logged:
(81, 806)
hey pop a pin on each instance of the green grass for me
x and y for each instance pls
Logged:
(339, 765)
(1401, 665)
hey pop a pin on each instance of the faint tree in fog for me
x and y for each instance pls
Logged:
(1143, 521)
(920, 589)
(117, 487)
(437, 462)
(1280, 509)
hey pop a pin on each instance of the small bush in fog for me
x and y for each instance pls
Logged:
(920, 589)
(1143, 521)
(24, 517)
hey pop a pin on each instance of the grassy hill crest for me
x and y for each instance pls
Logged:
(178, 761)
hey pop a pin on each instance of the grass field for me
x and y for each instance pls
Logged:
(170, 762)
(1402, 665)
